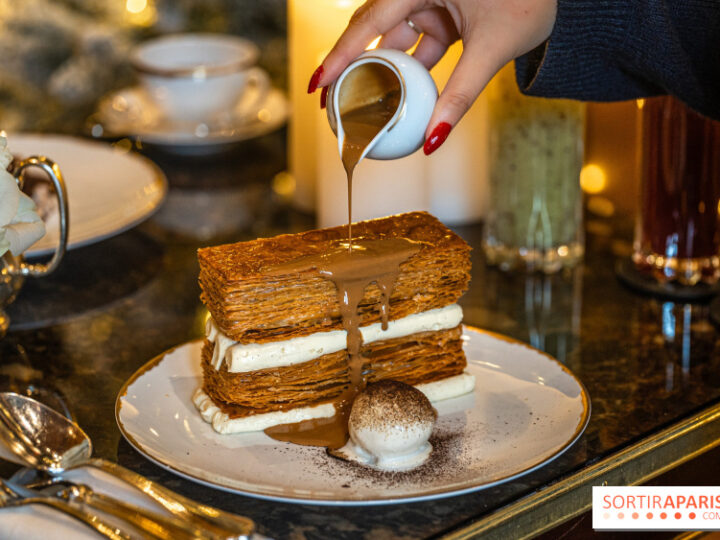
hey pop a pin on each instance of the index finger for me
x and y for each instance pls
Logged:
(372, 19)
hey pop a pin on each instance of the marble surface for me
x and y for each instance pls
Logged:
(115, 305)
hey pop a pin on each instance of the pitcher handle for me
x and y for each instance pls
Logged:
(52, 169)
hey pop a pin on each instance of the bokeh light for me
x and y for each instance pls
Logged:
(135, 6)
(592, 178)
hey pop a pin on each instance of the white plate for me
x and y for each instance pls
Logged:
(129, 112)
(525, 411)
(109, 190)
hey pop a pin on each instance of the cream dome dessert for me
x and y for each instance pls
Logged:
(389, 424)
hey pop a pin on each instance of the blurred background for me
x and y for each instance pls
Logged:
(65, 69)
(59, 57)
(56, 68)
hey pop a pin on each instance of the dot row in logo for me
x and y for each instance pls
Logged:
(650, 515)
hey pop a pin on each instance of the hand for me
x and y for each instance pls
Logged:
(493, 33)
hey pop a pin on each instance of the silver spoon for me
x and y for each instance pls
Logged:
(36, 435)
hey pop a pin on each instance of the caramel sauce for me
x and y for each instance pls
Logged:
(369, 261)
(328, 432)
(369, 97)
(361, 126)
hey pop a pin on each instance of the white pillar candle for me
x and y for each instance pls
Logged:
(313, 28)
(457, 172)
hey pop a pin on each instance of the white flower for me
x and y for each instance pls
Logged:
(20, 225)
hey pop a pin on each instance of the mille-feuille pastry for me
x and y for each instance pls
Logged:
(276, 349)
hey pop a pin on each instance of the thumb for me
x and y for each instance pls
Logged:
(473, 71)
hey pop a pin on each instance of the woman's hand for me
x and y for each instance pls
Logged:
(493, 33)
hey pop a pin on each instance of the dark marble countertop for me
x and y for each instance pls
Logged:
(114, 305)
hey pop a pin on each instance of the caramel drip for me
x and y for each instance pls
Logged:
(328, 432)
(361, 125)
(357, 264)
(369, 261)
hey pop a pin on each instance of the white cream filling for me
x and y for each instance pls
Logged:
(223, 424)
(450, 387)
(241, 357)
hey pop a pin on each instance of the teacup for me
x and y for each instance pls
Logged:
(405, 131)
(13, 269)
(194, 78)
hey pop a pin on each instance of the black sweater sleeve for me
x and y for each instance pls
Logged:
(608, 50)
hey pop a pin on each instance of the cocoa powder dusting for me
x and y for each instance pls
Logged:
(446, 463)
(387, 403)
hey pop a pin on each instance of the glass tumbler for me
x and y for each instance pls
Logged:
(536, 153)
(677, 238)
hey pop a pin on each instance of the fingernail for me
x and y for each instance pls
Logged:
(323, 97)
(436, 138)
(315, 80)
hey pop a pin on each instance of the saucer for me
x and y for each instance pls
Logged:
(630, 276)
(130, 112)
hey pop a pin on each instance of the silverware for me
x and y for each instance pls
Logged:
(36, 435)
(9, 498)
(161, 527)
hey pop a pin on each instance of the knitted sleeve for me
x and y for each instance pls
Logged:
(608, 50)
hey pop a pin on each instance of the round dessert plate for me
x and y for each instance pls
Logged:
(525, 411)
(109, 189)
(130, 112)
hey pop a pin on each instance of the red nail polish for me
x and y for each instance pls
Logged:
(323, 97)
(436, 138)
(315, 80)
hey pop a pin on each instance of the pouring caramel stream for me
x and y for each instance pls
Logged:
(369, 98)
(361, 126)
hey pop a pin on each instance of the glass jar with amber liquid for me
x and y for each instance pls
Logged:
(677, 237)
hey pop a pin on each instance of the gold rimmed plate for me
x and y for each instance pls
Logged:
(525, 411)
(110, 190)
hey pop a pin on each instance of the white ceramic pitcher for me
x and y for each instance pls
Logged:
(405, 132)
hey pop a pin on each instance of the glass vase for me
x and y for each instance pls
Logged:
(536, 153)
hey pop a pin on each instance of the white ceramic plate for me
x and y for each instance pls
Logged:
(129, 112)
(109, 190)
(525, 411)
